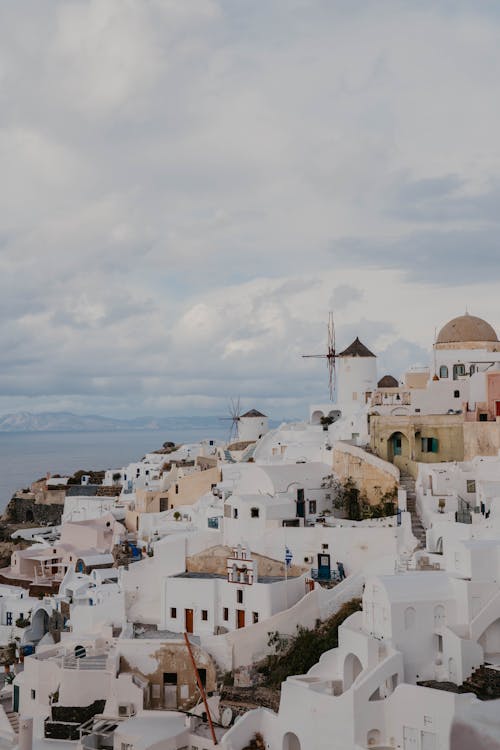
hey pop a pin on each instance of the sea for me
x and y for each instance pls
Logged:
(27, 456)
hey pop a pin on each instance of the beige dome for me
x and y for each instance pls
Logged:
(466, 328)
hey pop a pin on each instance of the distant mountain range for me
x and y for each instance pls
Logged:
(25, 421)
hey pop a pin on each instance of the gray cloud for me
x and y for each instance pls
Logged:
(178, 179)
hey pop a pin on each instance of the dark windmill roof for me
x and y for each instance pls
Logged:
(388, 381)
(356, 349)
(253, 413)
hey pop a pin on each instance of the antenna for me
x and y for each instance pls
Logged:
(434, 348)
(330, 356)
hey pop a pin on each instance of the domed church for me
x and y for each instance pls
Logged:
(468, 332)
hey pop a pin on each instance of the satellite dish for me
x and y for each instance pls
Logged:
(227, 717)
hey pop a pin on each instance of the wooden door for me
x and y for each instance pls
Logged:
(498, 409)
(240, 618)
(188, 618)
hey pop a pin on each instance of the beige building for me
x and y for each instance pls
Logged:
(408, 440)
(182, 489)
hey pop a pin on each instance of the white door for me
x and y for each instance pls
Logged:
(410, 738)
(429, 741)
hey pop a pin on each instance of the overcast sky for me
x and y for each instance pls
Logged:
(188, 186)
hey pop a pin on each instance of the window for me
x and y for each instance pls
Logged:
(33, 694)
(176, 489)
(239, 596)
(312, 506)
(483, 417)
(324, 546)
(430, 445)
(254, 512)
(235, 512)
(203, 676)
(255, 617)
(204, 614)
(471, 485)
(173, 612)
(8, 616)
(225, 614)
(458, 371)
(170, 678)
(472, 369)
(456, 394)
(443, 371)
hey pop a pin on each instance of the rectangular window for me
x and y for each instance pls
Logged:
(483, 417)
(170, 678)
(471, 485)
(312, 506)
(176, 489)
(254, 512)
(173, 612)
(33, 694)
(255, 617)
(204, 614)
(324, 546)
(430, 445)
(225, 614)
(235, 512)
(8, 616)
(239, 596)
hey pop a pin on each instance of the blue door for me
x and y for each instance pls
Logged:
(323, 566)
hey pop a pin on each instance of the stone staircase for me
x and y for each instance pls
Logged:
(13, 718)
(408, 483)
(484, 682)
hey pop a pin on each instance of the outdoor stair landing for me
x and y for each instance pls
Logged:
(408, 483)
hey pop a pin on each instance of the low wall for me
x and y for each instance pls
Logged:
(244, 647)
(372, 475)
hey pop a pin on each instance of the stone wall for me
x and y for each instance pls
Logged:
(372, 476)
(25, 509)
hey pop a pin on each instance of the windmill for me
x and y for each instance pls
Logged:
(330, 356)
(234, 418)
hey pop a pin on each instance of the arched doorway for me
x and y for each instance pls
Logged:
(398, 450)
(352, 668)
(291, 742)
(316, 417)
(490, 641)
(373, 738)
(29, 516)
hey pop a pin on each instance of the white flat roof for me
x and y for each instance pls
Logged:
(152, 727)
(418, 586)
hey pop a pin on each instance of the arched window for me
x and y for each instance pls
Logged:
(410, 618)
(443, 371)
